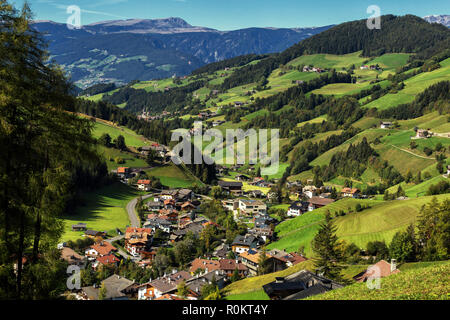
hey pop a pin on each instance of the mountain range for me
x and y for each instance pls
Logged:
(121, 51)
(441, 19)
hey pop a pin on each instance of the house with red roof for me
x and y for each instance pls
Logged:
(144, 185)
(108, 260)
(100, 249)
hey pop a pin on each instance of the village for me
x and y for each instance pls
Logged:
(164, 219)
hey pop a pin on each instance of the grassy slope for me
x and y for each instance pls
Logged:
(413, 86)
(171, 176)
(380, 222)
(428, 283)
(131, 138)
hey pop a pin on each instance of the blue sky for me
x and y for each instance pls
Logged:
(234, 14)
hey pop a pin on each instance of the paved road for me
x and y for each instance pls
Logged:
(131, 209)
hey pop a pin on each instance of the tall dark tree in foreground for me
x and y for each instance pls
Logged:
(325, 247)
(45, 152)
(434, 231)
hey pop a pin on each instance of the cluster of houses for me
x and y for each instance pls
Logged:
(313, 69)
(371, 67)
(148, 117)
(175, 213)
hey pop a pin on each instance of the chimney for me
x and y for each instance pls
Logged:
(393, 265)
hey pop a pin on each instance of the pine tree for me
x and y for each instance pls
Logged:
(325, 247)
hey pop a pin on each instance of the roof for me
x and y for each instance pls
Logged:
(298, 205)
(204, 264)
(349, 190)
(145, 182)
(231, 265)
(252, 256)
(228, 184)
(114, 286)
(253, 202)
(170, 282)
(79, 225)
(293, 284)
(109, 259)
(320, 201)
(69, 255)
(293, 257)
(309, 292)
(93, 232)
(103, 248)
(381, 269)
(169, 297)
(247, 241)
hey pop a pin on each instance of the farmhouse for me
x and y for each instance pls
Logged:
(144, 185)
(108, 260)
(423, 134)
(350, 193)
(229, 266)
(99, 249)
(287, 259)
(231, 186)
(117, 288)
(386, 125)
(317, 202)
(79, 227)
(299, 285)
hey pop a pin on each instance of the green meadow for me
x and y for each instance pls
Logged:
(103, 209)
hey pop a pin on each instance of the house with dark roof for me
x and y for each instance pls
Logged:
(94, 234)
(231, 186)
(298, 208)
(163, 285)
(299, 285)
(196, 284)
(117, 288)
(79, 227)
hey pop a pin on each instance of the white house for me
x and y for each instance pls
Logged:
(297, 209)
(144, 185)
